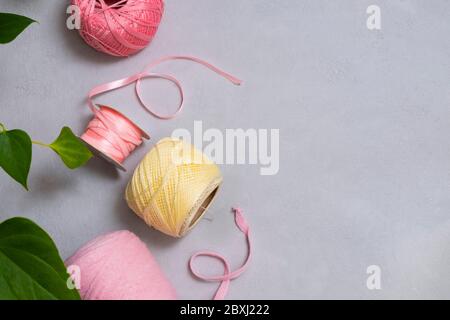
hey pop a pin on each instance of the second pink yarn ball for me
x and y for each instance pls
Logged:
(119, 266)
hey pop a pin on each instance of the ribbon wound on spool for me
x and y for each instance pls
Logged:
(112, 135)
(226, 278)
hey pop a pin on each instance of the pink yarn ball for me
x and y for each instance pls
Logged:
(118, 266)
(119, 27)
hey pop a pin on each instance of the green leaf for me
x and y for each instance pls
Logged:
(72, 151)
(15, 154)
(30, 265)
(11, 25)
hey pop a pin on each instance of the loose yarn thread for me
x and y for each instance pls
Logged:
(119, 27)
(146, 73)
(228, 275)
(119, 266)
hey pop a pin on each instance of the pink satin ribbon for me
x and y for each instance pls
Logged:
(113, 134)
(226, 278)
(147, 74)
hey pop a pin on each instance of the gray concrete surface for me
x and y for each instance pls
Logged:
(364, 140)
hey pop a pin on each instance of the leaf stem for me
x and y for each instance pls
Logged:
(40, 143)
(2, 127)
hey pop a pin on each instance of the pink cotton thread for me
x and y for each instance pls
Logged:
(119, 27)
(119, 266)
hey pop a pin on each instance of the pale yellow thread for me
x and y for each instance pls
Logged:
(171, 185)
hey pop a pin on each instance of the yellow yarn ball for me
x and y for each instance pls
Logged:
(173, 186)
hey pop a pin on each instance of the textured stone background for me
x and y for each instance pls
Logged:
(364, 127)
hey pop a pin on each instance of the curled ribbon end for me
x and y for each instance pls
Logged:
(227, 275)
(240, 220)
(237, 81)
